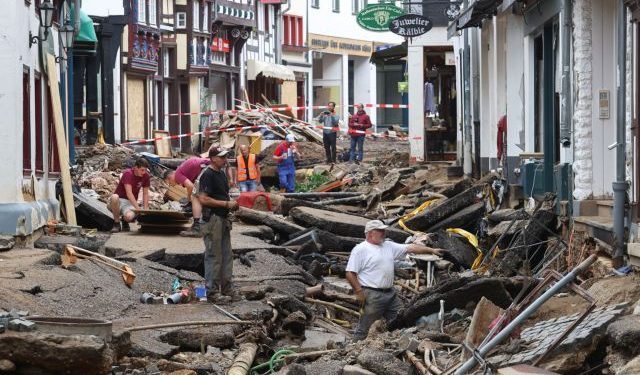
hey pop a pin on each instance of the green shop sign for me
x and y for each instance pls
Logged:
(376, 17)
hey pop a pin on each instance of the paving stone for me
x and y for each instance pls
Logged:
(21, 325)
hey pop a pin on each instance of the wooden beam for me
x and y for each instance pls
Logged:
(61, 136)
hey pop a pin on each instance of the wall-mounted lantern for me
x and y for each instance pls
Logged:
(46, 19)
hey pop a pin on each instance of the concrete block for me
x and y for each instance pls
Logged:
(21, 325)
(355, 370)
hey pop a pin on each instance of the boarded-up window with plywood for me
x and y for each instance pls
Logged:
(135, 108)
(289, 94)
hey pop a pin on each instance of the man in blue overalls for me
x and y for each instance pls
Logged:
(284, 155)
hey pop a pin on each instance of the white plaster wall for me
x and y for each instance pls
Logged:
(487, 136)
(514, 52)
(415, 61)
(325, 21)
(105, 8)
(16, 20)
(365, 81)
(583, 95)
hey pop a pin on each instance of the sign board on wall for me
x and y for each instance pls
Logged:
(449, 58)
(377, 17)
(604, 104)
(410, 25)
(340, 46)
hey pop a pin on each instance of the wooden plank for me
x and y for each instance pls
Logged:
(61, 136)
(176, 192)
(163, 147)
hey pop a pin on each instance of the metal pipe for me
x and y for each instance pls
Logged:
(466, 87)
(565, 102)
(524, 315)
(620, 185)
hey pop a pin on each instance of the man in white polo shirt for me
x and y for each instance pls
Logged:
(370, 273)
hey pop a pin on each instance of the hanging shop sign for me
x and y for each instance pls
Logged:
(377, 17)
(410, 25)
(220, 45)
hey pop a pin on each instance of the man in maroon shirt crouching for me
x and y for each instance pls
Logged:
(125, 199)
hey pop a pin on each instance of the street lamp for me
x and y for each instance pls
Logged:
(66, 39)
(46, 19)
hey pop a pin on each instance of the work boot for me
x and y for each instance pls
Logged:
(116, 227)
(125, 226)
(194, 231)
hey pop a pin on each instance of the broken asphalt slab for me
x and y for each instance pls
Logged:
(180, 252)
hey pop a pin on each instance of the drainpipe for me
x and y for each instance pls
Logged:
(565, 103)
(475, 79)
(466, 87)
(620, 185)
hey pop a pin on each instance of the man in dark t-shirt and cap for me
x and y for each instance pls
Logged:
(213, 193)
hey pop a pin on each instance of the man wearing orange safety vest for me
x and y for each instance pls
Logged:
(248, 170)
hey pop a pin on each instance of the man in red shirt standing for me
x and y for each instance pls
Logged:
(358, 124)
(185, 175)
(125, 199)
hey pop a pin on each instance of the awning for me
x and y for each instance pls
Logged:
(267, 69)
(389, 54)
(475, 13)
(85, 41)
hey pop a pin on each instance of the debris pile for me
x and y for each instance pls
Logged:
(510, 289)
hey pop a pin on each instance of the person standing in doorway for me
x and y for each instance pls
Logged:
(329, 120)
(213, 193)
(358, 124)
(285, 155)
(370, 271)
(124, 199)
(248, 170)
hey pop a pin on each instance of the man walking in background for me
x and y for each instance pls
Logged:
(358, 124)
(329, 120)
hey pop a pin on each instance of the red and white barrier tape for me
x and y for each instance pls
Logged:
(272, 109)
(255, 127)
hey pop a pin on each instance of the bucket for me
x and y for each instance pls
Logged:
(201, 291)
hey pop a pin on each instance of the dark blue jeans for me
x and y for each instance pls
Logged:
(359, 143)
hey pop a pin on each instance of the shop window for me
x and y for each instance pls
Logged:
(26, 120)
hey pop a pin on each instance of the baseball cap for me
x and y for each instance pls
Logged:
(218, 151)
(290, 138)
(374, 224)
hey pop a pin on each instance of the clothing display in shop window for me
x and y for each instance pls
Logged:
(429, 99)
